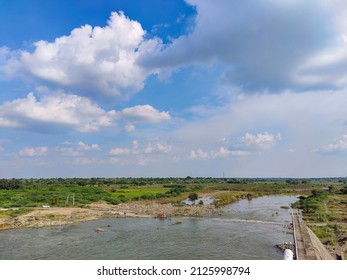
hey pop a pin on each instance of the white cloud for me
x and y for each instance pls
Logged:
(94, 61)
(85, 147)
(198, 154)
(263, 140)
(240, 153)
(164, 148)
(144, 114)
(129, 128)
(338, 145)
(120, 151)
(78, 150)
(66, 111)
(158, 147)
(53, 113)
(221, 153)
(261, 51)
(150, 148)
(34, 151)
(1, 149)
(140, 154)
(305, 121)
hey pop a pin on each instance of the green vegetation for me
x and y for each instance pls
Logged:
(32, 196)
(60, 192)
(325, 211)
(314, 205)
(193, 196)
(15, 212)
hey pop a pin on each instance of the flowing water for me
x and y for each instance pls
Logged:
(246, 230)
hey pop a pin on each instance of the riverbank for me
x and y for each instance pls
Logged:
(43, 217)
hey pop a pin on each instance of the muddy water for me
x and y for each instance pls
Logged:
(246, 230)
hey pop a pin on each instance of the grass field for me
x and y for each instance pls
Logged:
(66, 194)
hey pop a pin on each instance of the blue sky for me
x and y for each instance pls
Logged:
(161, 88)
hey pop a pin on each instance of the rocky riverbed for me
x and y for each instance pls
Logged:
(42, 217)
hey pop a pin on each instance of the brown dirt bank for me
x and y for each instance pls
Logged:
(42, 217)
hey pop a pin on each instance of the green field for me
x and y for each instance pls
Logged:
(60, 193)
(79, 191)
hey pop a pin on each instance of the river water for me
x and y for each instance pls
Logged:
(246, 230)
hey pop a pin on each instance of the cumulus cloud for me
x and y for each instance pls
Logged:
(263, 140)
(141, 154)
(33, 151)
(261, 51)
(338, 145)
(137, 149)
(158, 147)
(129, 128)
(144, 114)
(221, 153)
(198, 154)
(91, 60)
(85, 147)
(77, 150)
(67, 111)
(53, 113)
(305, 121)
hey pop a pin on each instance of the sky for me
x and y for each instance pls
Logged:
(173, 88)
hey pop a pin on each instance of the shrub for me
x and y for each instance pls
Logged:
(193, 196)
(112, 201)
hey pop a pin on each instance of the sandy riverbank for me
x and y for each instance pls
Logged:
(42, 217)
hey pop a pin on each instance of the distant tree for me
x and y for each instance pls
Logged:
(10, 184)
(82, 182)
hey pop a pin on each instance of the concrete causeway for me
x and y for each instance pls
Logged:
(307, 245)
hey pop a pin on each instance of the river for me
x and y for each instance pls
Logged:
(246, 230)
